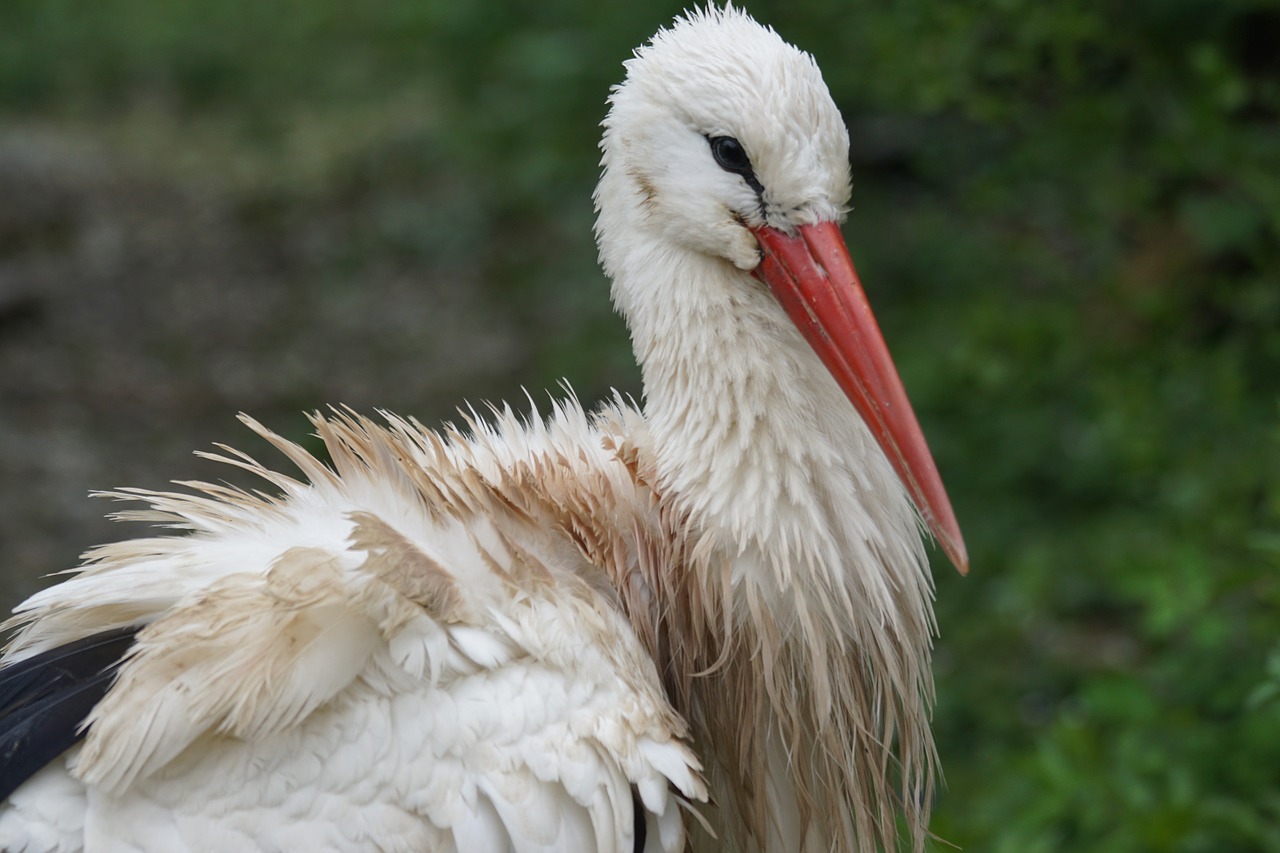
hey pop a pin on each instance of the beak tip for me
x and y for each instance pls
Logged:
(952, 545)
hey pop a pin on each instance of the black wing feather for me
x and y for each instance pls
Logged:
(45, 698)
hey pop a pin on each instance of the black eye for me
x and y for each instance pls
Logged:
(730, 154)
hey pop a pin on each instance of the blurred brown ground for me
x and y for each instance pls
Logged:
(139, 314)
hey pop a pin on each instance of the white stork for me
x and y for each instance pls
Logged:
(702, 623)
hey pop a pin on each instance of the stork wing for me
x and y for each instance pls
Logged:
(397, 653)
(44, 699)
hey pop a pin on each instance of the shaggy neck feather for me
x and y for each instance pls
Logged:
(753, 442)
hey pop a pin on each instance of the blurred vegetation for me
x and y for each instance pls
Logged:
(1068, 215)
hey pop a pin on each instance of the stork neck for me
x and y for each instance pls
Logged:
(750, 433)
(787, 495)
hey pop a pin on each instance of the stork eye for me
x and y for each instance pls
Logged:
(730, 154)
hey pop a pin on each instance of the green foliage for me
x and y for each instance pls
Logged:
(1068, 215)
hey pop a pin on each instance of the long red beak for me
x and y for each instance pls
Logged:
(813, 277)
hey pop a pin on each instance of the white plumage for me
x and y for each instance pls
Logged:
(560, 634)
(351, 666)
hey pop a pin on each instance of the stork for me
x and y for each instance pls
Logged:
(700, 623)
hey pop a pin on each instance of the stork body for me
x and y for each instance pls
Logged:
(562, 634)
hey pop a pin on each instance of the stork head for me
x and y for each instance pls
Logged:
(722, 126)
(723, 143)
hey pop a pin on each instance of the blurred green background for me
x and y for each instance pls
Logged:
(1067, 216)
